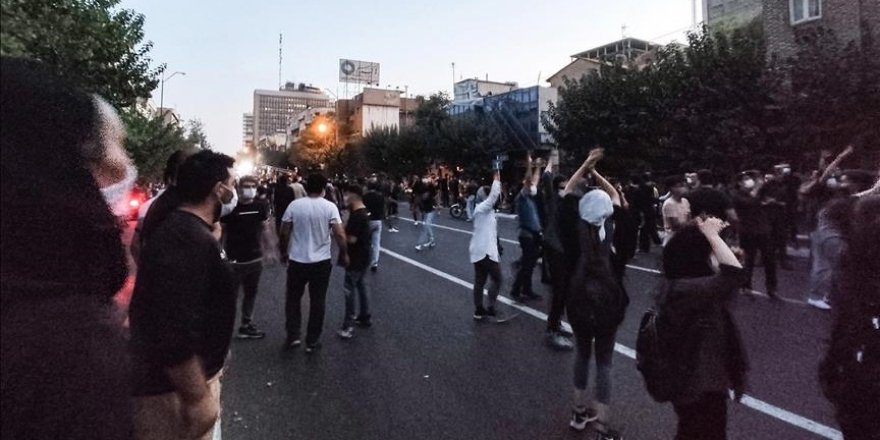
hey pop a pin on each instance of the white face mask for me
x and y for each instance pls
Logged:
(832, 183)
(248, 193)
(533, 190)
(116, 195)
(748, 184)
(228, 207)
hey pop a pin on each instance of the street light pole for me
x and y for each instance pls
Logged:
(162, 90)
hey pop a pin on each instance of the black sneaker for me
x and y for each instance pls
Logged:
(250, 332)
(374, 268)
(363, 321)
(479, 313)
(292, 343)
(563, 332)
(311, 348)
(609, 435)
(517, 297)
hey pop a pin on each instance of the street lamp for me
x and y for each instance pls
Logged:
(322, 128)
(162, 89)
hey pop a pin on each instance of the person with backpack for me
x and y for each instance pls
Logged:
(596, 300)
(689, 350)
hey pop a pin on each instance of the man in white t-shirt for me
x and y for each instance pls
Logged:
(676, 209)
(305, 229)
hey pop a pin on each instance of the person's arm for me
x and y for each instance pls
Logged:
(711, 228)
(591, 160)
(607, 187)
(488, 204)
(341, 243)
(527, 179)
(199, 410)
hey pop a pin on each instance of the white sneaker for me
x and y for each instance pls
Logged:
(393, 230)
(418, 223)
(346, 333)
(820, 304)
(418, 248)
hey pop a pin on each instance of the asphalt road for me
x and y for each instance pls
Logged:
(426, 370)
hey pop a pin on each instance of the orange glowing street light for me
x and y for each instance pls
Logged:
(322, 128)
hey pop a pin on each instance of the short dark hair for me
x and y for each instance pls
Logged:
(316, 183)
(199, 173)
(250, 179)
(674, 180)
(686, 255)
(355, 189)
(706, 177)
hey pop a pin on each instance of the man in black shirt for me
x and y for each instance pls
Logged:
(282, 196)
(358, 233)
(183, 309)
(755, 227)
(242, 230)
(705, 199)
(375, 203)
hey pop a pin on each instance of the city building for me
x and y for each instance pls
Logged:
(302, 121)
(628, 51)
(247, 134)
(787, 21)
(372, 109)
(408, 107)
(719, 15)
(476, 88)
(519, 114)
(274, 108)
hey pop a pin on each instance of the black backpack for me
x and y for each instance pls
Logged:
(666, 354)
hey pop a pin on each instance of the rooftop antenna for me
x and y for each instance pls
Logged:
(280, 40)
(539, 78)
(453, 73)
(623, 31)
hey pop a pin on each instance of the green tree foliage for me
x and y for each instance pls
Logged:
(150, 141)
(195, 134)
(94, 43)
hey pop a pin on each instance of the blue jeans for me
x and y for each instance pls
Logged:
(428, 228)
(376, 231)
(354, 284)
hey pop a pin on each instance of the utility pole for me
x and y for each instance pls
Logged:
(453, 75)
(280, 39)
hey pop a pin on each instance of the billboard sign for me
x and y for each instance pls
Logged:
(359, 72)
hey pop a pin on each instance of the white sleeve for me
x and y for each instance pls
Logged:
(489, 203)
(288, 214)
(335, 218)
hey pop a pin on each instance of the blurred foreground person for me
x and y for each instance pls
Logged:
(183, 308)
(851, 368)
(703, 339)
(65, 371)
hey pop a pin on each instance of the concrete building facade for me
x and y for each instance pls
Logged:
(476, 88)
(247, 130)
(273, 110)
(373, 109)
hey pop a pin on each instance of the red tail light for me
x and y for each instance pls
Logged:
(134, 203)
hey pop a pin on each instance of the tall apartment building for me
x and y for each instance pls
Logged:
(247, 130)
(274, 108)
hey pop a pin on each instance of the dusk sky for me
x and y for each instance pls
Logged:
(229, 48)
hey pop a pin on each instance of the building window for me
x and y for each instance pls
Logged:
(805, 10)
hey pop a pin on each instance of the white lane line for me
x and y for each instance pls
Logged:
(751, 402)
(631, 266)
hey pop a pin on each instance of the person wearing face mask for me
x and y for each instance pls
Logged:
(694, 303)
(65, 369)
(242, 231)
(530, 233)
(552, 192)
(753, 208)
(183, 309)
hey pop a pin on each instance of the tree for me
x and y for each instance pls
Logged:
(94, 43)
(316, 147)
(150, 141)
(196, 134)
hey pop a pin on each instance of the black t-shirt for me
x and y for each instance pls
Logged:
(754, 218)
(375, 203)
(358, 226)
(427, 198)
(568, 218)
(159, 210)
(183, 305)
(709, 201)
(283, 196)
(242, 228)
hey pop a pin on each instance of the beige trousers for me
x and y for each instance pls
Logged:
(158, 417)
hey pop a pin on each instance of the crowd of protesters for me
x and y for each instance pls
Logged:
(70, 369)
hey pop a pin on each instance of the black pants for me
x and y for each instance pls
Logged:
(648, 232)
(317, 277)
(247, 275)
(751, 245)
(483, 270)
(559, 275)
(703, 419)
(531, 247)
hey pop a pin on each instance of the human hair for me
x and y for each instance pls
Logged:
(169, 176)
(249, 179)
(557, 180)
(706, 177)
(686, 255)
(199, 174)
(316, 183)
(355, 189)
(674, 180)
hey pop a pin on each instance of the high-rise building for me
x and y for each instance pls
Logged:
(274, 108)
(247, 130)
